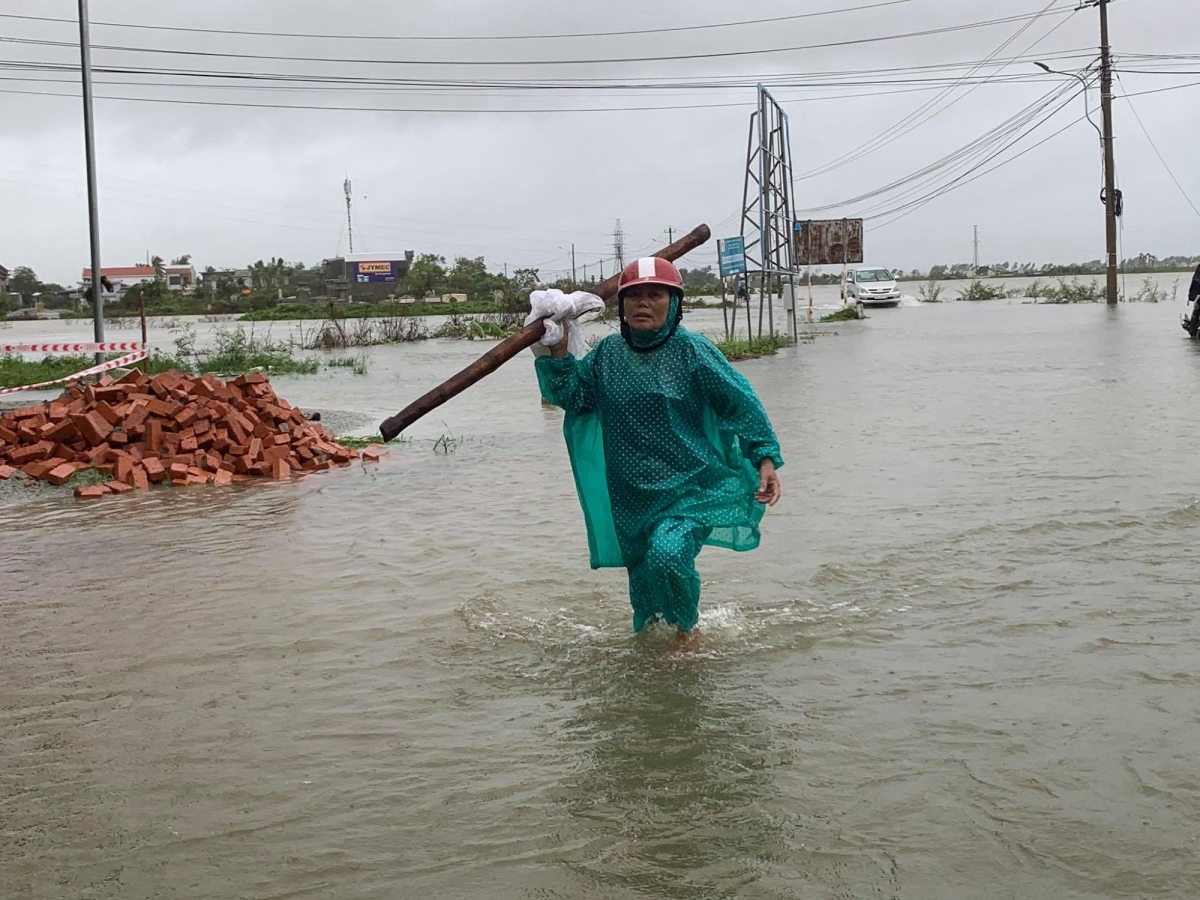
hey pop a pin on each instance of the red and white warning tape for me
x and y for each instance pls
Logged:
(101, 347)
(94, 370)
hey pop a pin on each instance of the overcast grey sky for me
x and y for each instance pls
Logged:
(477, 175)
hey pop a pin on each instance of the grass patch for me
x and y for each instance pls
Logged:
(767, 345)
(845, 314)
(357, 442)
(977, 291)
(15, 370)
(87, 478)
(357, 364)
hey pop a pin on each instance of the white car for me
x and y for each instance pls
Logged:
(871, 286)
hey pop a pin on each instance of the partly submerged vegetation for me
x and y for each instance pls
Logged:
(736, 349)
(845, 314)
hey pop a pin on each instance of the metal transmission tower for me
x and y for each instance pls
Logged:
(768, 219)
(349, 220)
(619, 246)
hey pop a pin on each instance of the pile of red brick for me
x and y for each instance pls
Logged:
(171, 428)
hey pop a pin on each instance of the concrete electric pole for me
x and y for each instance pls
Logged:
(89, 145)
(1111, 198)
(349, 220)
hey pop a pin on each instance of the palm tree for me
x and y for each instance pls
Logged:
(160, 271)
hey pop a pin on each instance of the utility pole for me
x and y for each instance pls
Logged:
(573, 281)
(89, 146)
(670, 235)
(349, 220)
(975, 264)
(619, 246)
(1110, 178)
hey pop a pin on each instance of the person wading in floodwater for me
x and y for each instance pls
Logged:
(670, 447)
(1192, 324)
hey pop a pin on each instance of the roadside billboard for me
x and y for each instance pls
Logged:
(375, 271)
(829, 242)
(731, 254)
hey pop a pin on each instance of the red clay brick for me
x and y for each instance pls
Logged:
(118, 487)
(138, 478)
(6, 472)
(60, 474)
(154, 435)
(31, 453)
(155, 471)
(162, 408)
(93, 427)
(110, 415)
(223, 476)
(122, 467)
(186, 416)
(280, 470)
(91, 492)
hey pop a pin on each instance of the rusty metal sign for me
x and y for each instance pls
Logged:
(829, 242)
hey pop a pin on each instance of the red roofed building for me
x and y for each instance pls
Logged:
(127, 274)
(122, 278)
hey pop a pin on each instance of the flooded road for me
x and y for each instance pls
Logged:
(963, 664)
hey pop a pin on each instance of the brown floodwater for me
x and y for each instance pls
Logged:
(963, 664)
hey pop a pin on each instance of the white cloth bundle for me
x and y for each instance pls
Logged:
(561, 311)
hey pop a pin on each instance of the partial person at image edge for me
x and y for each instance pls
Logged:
(670, 447)
(1194, 299)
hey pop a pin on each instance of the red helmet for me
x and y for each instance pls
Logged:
(649, 270)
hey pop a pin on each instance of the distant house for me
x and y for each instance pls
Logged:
(180, 277)
(122, 278)
(4, 273)
(243, 278)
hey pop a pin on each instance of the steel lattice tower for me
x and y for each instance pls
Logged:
(768, 219)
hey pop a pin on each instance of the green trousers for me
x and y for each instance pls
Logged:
(664, 584)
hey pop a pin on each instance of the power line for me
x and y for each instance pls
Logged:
(467, 37)
(887, 76)
(1133, 110)
(570, 61)
(962, 180)
(916, 118)
(980, 144)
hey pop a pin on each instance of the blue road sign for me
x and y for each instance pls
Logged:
(731, 253)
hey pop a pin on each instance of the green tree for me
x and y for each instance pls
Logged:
(24, 281)
(185, 260)
(525, 279)
(160, 271)
(153, 293)
(426, 275)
